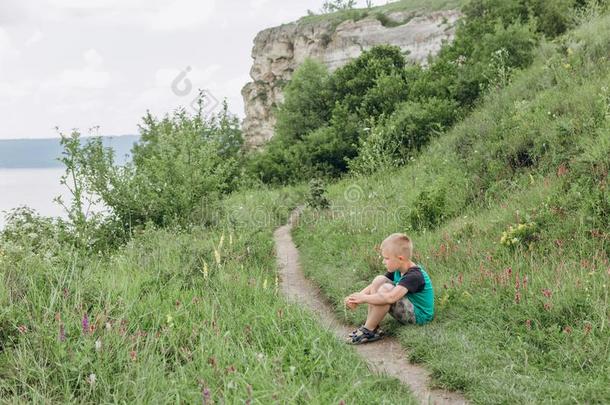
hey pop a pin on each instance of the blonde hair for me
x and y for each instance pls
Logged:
(398, 244)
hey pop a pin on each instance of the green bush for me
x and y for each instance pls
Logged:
(181, 164)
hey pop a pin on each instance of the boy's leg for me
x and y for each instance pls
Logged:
(378, 281)
(377, 312)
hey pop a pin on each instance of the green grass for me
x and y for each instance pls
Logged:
(537, 151)
(356, 14)
(175, 313)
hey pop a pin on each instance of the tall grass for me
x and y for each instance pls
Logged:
(174, 317)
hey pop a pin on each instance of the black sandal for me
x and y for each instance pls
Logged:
(355, 331)
(364, 335)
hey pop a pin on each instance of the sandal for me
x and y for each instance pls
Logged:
(355, 331)
(364, 335)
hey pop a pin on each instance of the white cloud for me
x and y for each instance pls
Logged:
(160, 15)
(7, 48)
(35, 38)
(257, 4)
(90, 76)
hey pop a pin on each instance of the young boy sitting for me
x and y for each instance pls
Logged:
(405, 291)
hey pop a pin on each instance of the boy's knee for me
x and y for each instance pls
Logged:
(386, 287)
(380, 279)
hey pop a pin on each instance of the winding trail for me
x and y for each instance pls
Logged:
(385, 356)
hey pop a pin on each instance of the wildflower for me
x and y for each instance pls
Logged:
(108, 326)
(85, 324)
(460, 278)
(133, 355)
(98, 345)
(230, 369)
(588, 328)
(547, 293)
(567, 329)
(206, 395)
(517, 297)
(217, 256)
(92, 378)
(528, 324)
(205, 270)
(62, 333)
(525, 282)
(212, 361)
(23, 329)
(265, 284)
(547, 306)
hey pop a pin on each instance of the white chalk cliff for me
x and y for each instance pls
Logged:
(278, 51)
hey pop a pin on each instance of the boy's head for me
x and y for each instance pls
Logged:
(396, 251)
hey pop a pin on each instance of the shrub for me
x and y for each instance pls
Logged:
(181, 163)
(429, 209)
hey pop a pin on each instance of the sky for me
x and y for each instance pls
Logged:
(80, 64)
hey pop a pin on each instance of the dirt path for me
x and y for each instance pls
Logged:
(385, 356)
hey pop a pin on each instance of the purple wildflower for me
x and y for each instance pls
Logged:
(85, 324)
(207, 396)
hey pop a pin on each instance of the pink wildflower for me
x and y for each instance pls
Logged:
(588, 328)
(528, 324)
(517, 297)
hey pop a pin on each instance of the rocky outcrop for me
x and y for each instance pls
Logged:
(278, 51)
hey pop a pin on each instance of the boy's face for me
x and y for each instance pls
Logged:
(391, 261)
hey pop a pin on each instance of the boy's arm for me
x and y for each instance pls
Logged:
(381, 298)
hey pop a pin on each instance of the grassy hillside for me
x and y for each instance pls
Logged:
(172, 317)
(509, 213)
(338, 17)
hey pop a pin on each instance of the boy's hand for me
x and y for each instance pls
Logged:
(349, 303)
(356, 298)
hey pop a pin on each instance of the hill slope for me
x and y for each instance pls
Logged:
(509, 213)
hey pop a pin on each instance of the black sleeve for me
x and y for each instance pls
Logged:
(390, 275)
(413, 281)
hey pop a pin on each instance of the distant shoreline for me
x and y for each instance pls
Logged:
(42, 153)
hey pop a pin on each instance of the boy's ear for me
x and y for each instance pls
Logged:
(401, 258)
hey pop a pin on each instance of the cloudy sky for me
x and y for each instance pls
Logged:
(85, 63)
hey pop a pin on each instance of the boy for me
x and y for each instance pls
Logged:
(405, 291)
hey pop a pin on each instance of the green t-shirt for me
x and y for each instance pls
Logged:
(419, 291)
